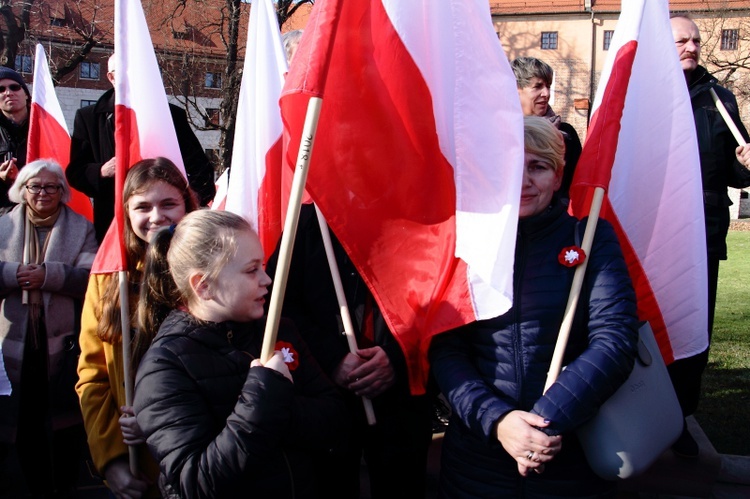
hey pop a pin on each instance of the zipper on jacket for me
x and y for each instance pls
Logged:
(517, 342)
(291, 474)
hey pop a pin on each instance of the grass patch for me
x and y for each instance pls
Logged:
(725, 400)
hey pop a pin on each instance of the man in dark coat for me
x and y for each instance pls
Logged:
(723, 164)
(92, 149)
(15, 102)
(395, 448)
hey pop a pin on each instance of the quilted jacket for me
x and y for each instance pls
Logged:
(491, 367)
(221, 429)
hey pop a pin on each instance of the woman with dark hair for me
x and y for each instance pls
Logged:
(46, 252)
(155, 195)
(533, 80)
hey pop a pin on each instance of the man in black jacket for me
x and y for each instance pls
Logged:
(395, 448)
(723, 164)
(92, 150)
(15, 102)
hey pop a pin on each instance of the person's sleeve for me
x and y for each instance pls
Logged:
(179, 425)
(8, 279)
(199, 169)
(98, 403)
(477, 404)
(72, 279)
(320, 421)
(83, 172)
(9, 269)
(573, 151)
(737, 175)
(395, 355)
(591, 378)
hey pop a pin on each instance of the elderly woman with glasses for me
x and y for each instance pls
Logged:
(46, 252)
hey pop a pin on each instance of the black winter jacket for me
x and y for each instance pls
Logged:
(719, 165)
(13, 139)
(310, 300)
(220, 429)
(491, 367)
(573, 150)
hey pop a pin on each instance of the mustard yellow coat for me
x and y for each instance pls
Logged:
(101, 386)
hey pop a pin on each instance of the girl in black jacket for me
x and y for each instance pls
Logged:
(219, 422)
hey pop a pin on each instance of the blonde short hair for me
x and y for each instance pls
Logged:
(542, 138)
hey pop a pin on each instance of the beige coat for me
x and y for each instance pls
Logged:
(68, 258)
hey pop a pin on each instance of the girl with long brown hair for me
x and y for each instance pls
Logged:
(155, 195)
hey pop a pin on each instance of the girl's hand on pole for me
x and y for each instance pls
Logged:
(276, 362)
(131, 432)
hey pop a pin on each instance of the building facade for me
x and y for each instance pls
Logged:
(573, 37)
(190, 42)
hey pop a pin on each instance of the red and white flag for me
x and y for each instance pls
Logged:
(143, 122)
(642, 148)
(252, 187)
(48, 132)
(417, 162)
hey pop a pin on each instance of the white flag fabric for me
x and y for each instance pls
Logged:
(48, 133)
(642, 148)
(143, 122)
(252, 186)
(418, 157)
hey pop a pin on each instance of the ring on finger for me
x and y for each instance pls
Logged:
(530, 455)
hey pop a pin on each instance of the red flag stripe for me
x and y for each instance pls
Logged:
(48, 133)
(382, 170)
(642, 148)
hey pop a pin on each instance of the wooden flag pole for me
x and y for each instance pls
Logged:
(727, 119)
(575, 289)
(343, 307)
(28, 228)
(290, 227)
(126, 357)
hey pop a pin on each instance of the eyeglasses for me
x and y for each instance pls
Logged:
(49, 188)
(15, 87)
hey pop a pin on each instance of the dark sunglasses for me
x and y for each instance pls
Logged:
(15, 87)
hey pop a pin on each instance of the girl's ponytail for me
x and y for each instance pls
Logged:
(158, 295)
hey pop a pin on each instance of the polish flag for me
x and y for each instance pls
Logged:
(642, 148)
(48, 132)
(252, 186)
(143, 123)
(219, 202)
(417, 162)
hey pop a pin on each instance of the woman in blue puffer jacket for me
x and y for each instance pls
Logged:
(507, 438)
